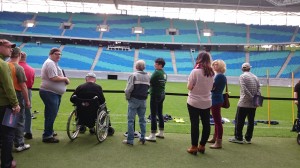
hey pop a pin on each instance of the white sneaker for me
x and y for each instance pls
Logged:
(234, 140)
(22, 147)
(160, 134)
(247, 142)
(151, 138)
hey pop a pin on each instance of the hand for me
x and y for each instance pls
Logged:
(28, 105)
(67, 81)
(296, 102)
(16, 109)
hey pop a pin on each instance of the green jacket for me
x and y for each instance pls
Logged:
(157, 82)
(7, 91)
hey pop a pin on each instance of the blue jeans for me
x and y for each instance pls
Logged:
(19, 131)
(136, 106)
(52, 102)
(27, 128)
(156, 108)
(7, 135)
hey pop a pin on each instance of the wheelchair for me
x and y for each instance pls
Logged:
(88, 112)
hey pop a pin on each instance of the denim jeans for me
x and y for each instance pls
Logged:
(7, 136)
(27, 128)
(195, 115)
(241, 114)
(136, 106)
(52, 102)
(19, 131)
(156, 108)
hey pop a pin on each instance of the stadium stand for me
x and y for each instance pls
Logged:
(11, 22)
(270, 34)
(293, 66)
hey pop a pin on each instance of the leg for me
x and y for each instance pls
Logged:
(132, 107)
(141, 113)
(204, 114)
(7, 136)
(194, 118)
(216, 113)
(250, 127)
(27, 128)
(161, 122)
(51, 101)
(239, 123)
(19, 131)
(153, 109)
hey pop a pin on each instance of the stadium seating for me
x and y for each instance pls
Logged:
(293, 66)
(11, 22)
(270, 34)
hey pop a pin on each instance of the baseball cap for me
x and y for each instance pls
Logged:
(246, 66)
(91, 74)
(6, 42)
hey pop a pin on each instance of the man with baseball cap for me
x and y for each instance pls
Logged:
(8, 99)
(249, 87)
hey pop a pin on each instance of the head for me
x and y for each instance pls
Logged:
(140, 65)
(55, 54)
(246, 67)
(23, 56)
(219, 66)
(159, 63)
(90, 77)
(6, 47)
(203, 61)
(16, 54)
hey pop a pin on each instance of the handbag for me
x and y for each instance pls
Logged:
(258, 100)
(226, 103)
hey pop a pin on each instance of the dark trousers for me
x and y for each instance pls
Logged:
(195, 115)
(7, 136)
(241, 114)
(216, 113)
(156, 108)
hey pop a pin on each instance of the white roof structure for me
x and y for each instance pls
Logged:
(258, 12)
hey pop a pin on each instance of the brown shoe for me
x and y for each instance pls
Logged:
(13, 164)
(212, 140)
(193, 150)
(217, 144)
(201, 149)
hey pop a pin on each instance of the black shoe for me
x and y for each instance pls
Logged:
(92, 130)
(82, 129)
(51, 140)
(28, 136)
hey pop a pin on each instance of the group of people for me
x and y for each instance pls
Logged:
(206, 84)
(17, 79)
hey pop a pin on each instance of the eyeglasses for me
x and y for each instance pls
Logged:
(59, 54)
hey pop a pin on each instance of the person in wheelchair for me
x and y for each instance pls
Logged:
(87, 110)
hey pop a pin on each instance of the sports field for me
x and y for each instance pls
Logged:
(273, 146)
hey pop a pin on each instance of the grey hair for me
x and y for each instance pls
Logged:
(140, 65)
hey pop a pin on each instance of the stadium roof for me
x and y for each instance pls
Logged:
(260, 12)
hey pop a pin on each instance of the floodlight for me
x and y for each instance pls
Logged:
(207, 32)
(137, 30)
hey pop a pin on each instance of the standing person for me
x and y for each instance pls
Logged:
(297, 96)
(220, 81)
(157, 96)
(249, 87)
(200, 84)
(29, 72)
(19, 81)
(8, 99)
(53, 86)
(136, 93)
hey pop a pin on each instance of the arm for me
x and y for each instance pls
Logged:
(60, 79)
(190, 84)
(24, 91)
(129, 87)
(296, 97)
(244, 88)
(8, 88)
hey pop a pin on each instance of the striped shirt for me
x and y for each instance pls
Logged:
(249, 87)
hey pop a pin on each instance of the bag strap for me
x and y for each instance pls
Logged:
(226, 87)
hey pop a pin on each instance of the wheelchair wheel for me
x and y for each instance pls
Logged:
(102, 125)
(298, 138)
(72, 127)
